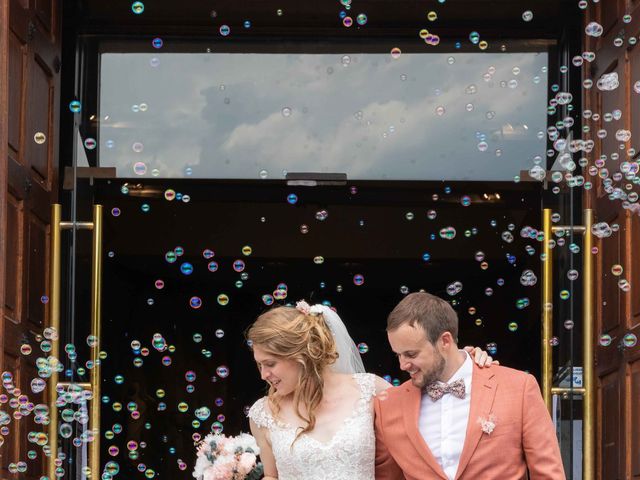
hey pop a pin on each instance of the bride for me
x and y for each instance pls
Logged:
(317, 420)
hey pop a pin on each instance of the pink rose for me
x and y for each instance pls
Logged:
(223, 467)
(246, 462)
(221, 443)
(208, 474)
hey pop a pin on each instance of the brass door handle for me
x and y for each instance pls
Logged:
(57, 226)
(588, 429)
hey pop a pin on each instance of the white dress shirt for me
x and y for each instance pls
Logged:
(443, 423)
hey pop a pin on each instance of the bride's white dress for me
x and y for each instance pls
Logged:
(349, 455)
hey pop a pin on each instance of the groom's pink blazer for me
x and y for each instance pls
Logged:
(523, 438)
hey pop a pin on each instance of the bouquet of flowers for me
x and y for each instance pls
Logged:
(228, 458)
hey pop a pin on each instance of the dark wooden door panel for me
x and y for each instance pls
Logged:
(634, 274)
(634, 59)
(617, 311)
(631, 328)
(611, 408)
(44, 10)
(39, 113)
(17, 54)
(609, 14)
(28, 100)
(19, 17)
(30, 371)
(634, 379)
(38, 262)
(610, 254)
(610, 101)
(10, 449)
(13, 259)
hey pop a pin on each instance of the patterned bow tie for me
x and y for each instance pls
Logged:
(437, 390)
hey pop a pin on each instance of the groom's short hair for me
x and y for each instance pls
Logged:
(432, 313)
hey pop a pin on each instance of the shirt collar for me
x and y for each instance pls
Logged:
(465, 371)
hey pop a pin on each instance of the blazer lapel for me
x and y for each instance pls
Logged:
(483, 391)
(411, 407)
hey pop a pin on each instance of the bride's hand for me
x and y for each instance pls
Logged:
(482, 358)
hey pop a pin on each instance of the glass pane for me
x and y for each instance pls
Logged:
(458, 116)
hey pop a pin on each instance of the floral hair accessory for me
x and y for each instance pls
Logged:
(307, 309)
(304, 307)
(487, 424)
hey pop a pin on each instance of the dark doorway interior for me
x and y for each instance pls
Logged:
(380, 231)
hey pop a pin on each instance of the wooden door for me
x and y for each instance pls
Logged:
(617, 310)
(29, 111)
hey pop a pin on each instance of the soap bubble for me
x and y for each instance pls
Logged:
(605, 340)
(608, 82)
(528, 278)
(594, 29)
(137, 7)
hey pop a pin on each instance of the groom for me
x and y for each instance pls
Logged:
(453, 420)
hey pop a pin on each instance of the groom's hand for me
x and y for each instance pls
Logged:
(480, 357)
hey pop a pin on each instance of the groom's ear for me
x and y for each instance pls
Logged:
(447, 340)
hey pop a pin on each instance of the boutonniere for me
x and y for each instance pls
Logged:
(487, 424)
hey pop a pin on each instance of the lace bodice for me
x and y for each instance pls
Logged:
(349, 455)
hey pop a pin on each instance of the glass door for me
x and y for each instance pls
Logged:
(345, 175)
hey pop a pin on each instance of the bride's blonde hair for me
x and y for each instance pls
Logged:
(286, 332)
